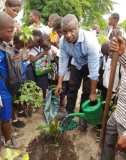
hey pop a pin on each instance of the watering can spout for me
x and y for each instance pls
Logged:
(76, 114)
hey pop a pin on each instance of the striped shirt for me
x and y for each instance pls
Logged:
(120, 112)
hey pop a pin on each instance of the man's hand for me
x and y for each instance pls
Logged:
(93, 97)
(121, 144)
(118, 45)
(58, 90)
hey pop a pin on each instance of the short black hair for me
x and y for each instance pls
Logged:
(45, 43)
(36, 13)
(5, 20)
(13, 3)
(37, 36)
(37, 33)
(54, 16)
(105, 49)
(115, 16)
(17, 40)
(57, 24)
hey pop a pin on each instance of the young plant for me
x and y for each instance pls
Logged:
(26, 34)
(31, 95)
(51, 129)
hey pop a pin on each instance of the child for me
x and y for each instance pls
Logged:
(52, 19)
(6, 32)
(57, 28)
(39, 54)
(18, 59)
(35, 22)
(54, 22)
(12, 7)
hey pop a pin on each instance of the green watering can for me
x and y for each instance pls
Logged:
(92, 112)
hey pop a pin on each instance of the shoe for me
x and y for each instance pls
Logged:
(11, 144)
(21, 114)
(18, 124)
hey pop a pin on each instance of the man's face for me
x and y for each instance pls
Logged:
(6, 34)
(13, 11)
(70, 33)
(111, 21)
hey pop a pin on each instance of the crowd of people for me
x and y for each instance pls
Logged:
(79, 60)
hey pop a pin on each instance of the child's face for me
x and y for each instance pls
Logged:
(13, 11)
(33, 18)
(50, 22)
(6, 34)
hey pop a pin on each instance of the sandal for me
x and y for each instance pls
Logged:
(18, 124)
(11, 144)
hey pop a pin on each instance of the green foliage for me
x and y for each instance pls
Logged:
(123, 24)
(51, 129)
(26, 33)
(102, 39)
(112, 108)
(31, 95)
(9, 154)
(94, 9)
(13, 154)
(91, 10)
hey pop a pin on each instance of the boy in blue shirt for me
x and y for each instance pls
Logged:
(6, 32)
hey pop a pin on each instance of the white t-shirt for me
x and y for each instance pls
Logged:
(44, 29)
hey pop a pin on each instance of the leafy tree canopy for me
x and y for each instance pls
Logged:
(90, 10)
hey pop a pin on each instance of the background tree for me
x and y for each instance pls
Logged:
(123, 24)
(90, 10)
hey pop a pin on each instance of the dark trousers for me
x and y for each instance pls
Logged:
(113, 130)
(76, 77)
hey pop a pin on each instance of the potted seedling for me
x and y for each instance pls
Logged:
(31, 96)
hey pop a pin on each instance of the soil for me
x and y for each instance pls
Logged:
(44, 147)
(76, 145)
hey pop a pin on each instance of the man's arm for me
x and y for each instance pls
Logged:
(93, 90)
(93, 63)
(63, 65)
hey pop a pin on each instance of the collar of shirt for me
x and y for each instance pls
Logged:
(81, 37)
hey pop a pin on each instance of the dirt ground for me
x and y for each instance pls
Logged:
(84, 142)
